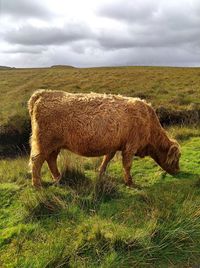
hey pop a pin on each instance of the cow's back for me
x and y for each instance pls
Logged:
(90, 124)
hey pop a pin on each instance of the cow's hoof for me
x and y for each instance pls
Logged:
(57, 181)
(129, 183)
(133, 185)
(37, 185)
(137, 186)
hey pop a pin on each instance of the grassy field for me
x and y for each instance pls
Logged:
(85, 222)
(168, 87)
(174, 89)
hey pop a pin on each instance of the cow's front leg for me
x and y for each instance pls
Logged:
(127, 158)
(127, 163)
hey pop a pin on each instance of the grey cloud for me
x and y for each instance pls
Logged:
(185, 16)
(29, 35)
(161, 56)
(151, 12)
(131, 56)
(23, 8)
(25, 50)
(128, 10)
(84, 46)
(152, 24)
(148, 38)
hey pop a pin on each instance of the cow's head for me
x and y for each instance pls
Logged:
(167, 158)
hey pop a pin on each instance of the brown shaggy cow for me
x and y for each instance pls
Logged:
(95, 125)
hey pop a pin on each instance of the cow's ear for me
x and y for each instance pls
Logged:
(173, 154)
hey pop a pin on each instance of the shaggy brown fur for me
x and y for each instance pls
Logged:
(95, 125)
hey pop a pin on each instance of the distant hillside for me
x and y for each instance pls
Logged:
(6, 67)
(171, 88)
(62, 66)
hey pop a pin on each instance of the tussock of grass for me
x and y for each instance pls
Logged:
(105, 188)
(142, 196)
(11, 233)
(72, 175)
(60, 259)
(15, 170)
(41, 204)
(179, 232)
(8, 193)
(184, 133)
(88, 192)
(197, 182)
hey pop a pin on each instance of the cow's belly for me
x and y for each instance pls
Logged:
(91, 147)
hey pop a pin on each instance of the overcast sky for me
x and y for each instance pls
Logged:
(87, 33)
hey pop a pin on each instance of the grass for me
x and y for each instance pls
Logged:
(169, 87)
(86, 222)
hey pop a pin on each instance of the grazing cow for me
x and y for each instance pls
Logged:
(96, 125)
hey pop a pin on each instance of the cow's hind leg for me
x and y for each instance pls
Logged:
(51, 160)
(127, 158)
(105, 162)
(36, 163)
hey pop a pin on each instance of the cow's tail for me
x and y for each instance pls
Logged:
(33, 99)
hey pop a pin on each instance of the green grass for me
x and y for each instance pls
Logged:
(90, 223)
